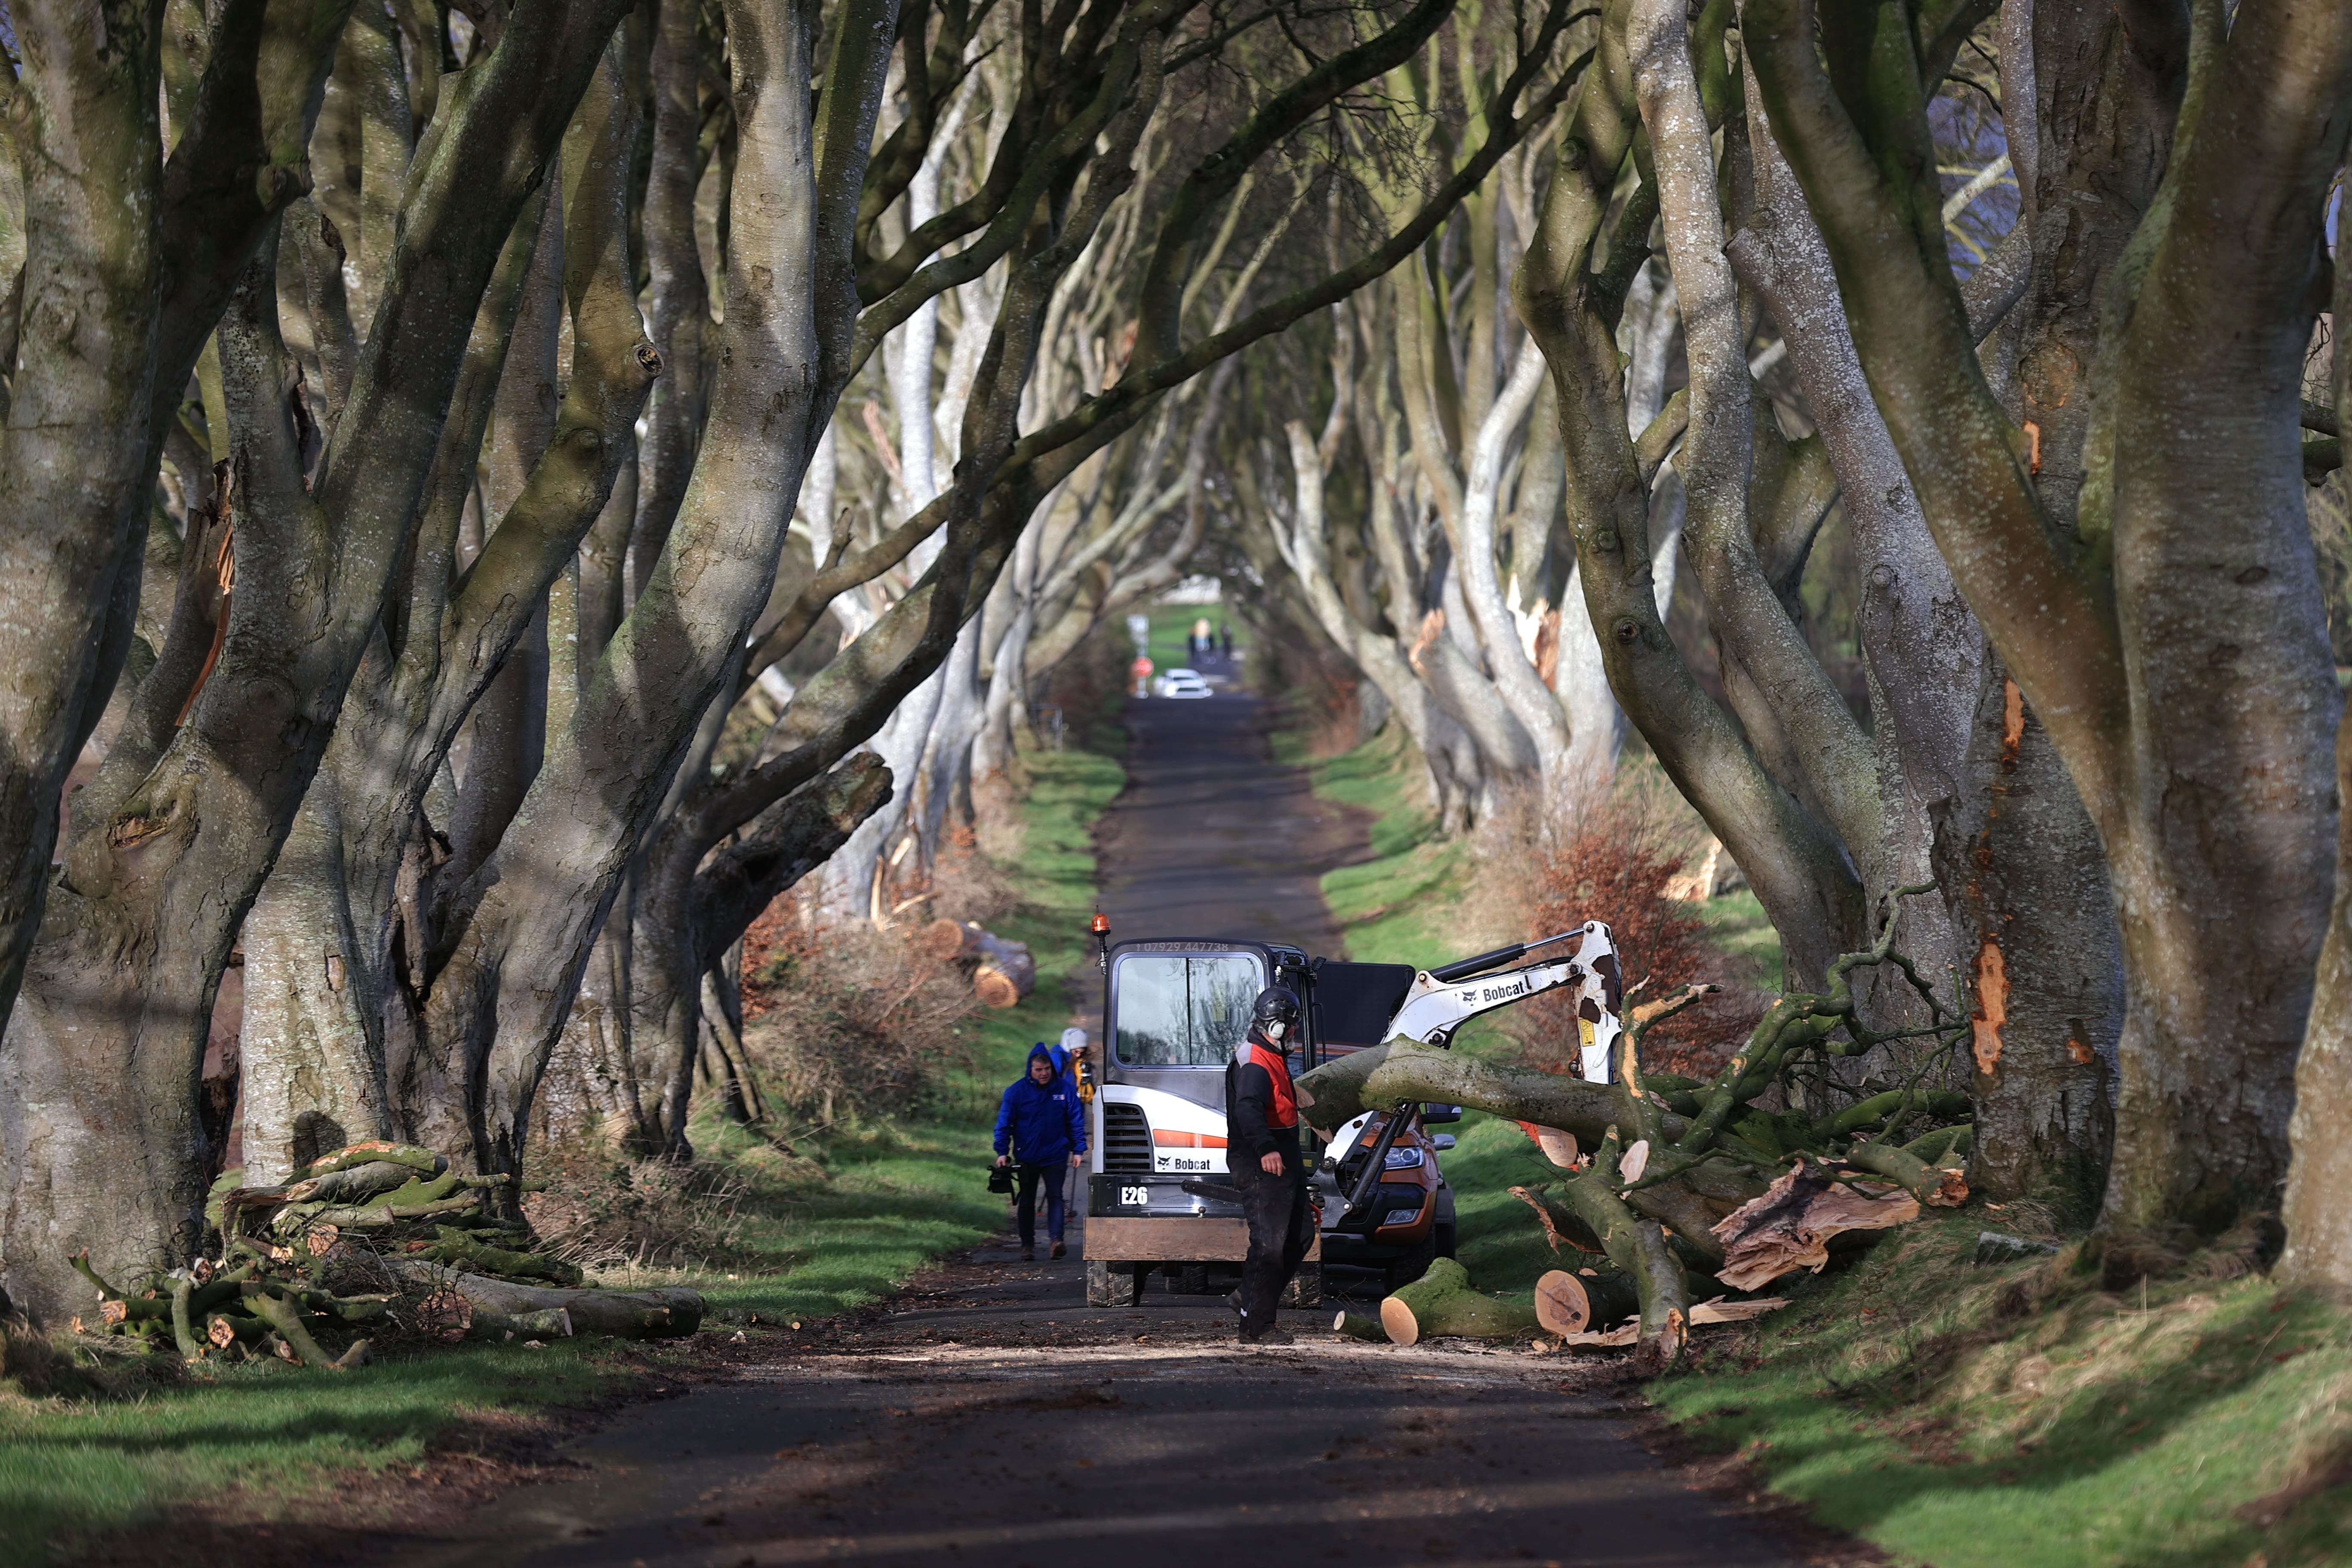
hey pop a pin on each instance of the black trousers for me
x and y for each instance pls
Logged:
(1025, 1200)
(1281, 1228)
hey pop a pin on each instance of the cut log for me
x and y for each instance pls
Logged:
(357, 1183)
(1332, 1095)
(943, 940)
(1569, 1303)
(624, 1314)
(1638, 1247)
(1931, 1184)
(372, 1152)
(554, 1322)
(1410, 1070)
(1944, 1146)
(1558, 1147)
(462, 1251)
(375, 1217)
(1356, 1327)
(1006, 972)
(286, 1318)
(1442, 1305)
(1789, 1227)
(183, 1331)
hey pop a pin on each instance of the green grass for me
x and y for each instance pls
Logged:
(1499, 1240)
(1737, 924)
(2014, 1415)
(1396, 907)
(70, 1470)
(865, 1208)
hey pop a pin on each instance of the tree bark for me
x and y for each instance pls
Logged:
(100, 1128)
(2192, 718)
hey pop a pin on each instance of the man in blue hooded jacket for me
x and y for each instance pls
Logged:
(1041, 1127)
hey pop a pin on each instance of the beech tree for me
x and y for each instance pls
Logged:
(2180, 667)
(406, 636)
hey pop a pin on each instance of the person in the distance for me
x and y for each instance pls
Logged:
(1041, 1129)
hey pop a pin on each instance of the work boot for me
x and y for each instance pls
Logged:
(1028, 1254)
(1271, 1337)
(1233, 1299)
(1058, 1250)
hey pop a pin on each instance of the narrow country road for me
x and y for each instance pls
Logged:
(1211, 838)
(990, 1418)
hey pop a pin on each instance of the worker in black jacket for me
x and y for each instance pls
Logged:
(1262, 1119)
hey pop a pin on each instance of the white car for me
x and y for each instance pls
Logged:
(1183, 683)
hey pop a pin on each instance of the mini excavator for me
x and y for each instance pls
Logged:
(1174, 1010)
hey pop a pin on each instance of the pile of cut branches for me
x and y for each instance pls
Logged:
(372, 1239)
(1681, 1193)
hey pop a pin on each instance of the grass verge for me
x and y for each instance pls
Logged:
(2017, 1415)
(841, 1226)
(1397, 906)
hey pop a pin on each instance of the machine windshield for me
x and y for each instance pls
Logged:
(1184, 1009)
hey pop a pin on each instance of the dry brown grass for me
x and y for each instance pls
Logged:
(1611, 860)
(603, 1211)
(845, 1022)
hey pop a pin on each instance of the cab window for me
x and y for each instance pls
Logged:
(1184, 1009)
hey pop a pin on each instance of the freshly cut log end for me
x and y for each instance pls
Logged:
(943, 940)
(994, 988)
(1570, 1304)
(1398, 1321)
(1354, 1326)
(1561, 1305)
(1558, 1147)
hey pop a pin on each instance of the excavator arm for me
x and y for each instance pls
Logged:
(1441, 1000)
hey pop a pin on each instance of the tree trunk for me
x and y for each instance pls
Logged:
(2189, 699)
(312, 1077)
(76, 471)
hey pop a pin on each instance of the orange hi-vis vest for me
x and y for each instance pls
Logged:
(1277, 1071)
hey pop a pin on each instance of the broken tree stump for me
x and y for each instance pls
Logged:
(1789, 1226)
